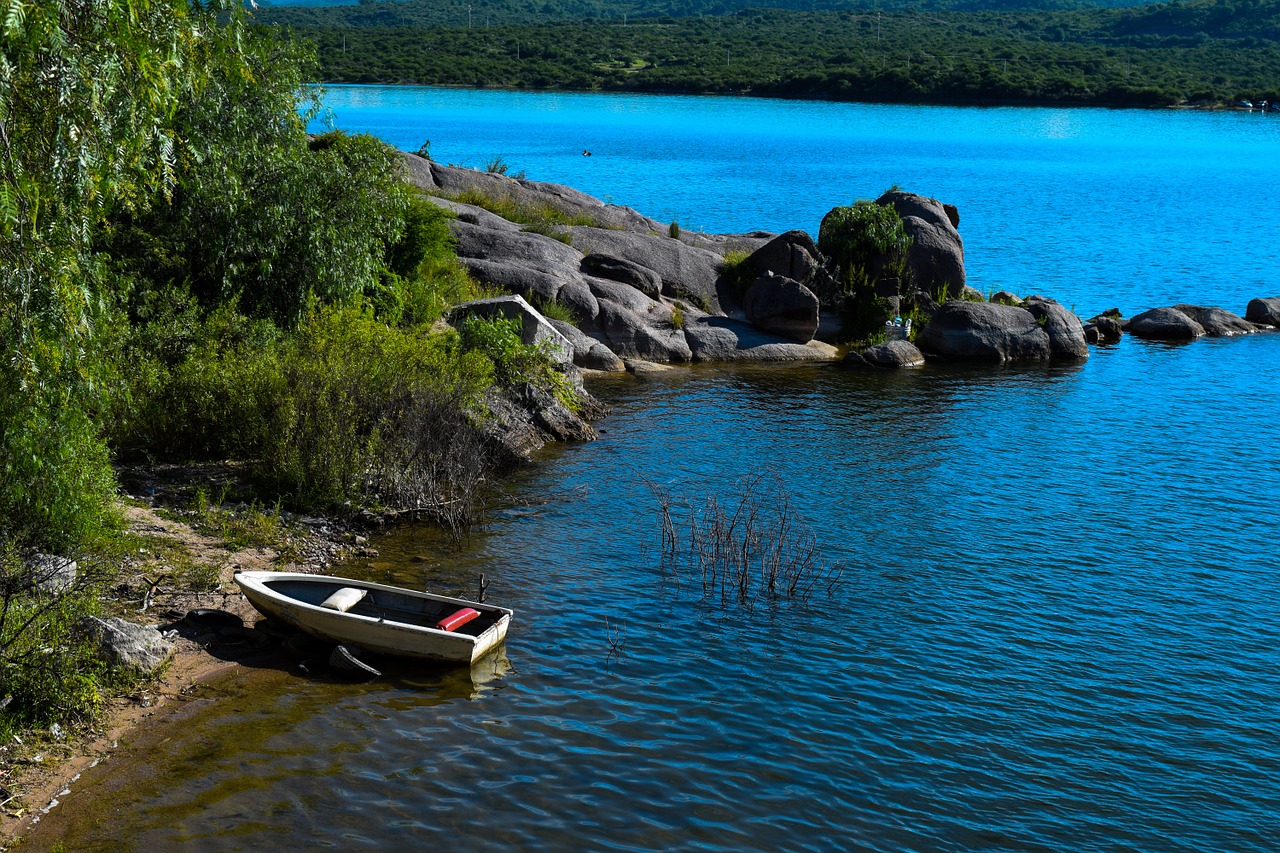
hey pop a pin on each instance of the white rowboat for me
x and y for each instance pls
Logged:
(384, 619)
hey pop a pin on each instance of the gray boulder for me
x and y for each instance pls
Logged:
(1265, 312)
(637, 275)
(1066, 332)
(1216, 322)
(1103, 330)
(1165, 324)
(51, 574)
(980, 331)
(632, 334)
(588, 353)
(714, 338)
(121, 643)
(792, 255)
(783, 307)
(1004, 297)
(687, 272)
(936, 257)
(533, 195)
(535, 330)
(894, 354)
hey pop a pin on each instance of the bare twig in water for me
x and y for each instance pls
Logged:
(617, 640)
(752, 548)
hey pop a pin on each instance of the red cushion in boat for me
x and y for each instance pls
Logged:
(457, 620)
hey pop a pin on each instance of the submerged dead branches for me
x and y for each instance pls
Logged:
(751, 548)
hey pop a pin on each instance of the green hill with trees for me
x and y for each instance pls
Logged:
(1143, 56)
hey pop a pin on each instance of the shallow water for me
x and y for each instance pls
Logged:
(1055, 628)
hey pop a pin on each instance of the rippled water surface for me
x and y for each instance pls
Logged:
(1056, 628)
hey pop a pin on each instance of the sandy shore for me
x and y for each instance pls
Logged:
(42, 778)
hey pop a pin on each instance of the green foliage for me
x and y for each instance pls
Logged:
(499, 341)
(677, 314)
(673, 230)
(864, 243)
(49, 671)
(737, 272)
(82, 87)
(555, 310)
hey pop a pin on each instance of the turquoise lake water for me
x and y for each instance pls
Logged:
(1056, 629)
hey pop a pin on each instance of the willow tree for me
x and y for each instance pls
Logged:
(87, 88)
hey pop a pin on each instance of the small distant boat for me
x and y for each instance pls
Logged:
(378, 618)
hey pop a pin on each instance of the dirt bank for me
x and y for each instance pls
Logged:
(40, 773)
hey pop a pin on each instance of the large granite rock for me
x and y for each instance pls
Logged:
(782, 306)
(589, 353)
(893, 355)
(1265, 312)
(715, 338)
(980, 331)
(791, 255)
(124, 644)
(636, 275)
(1066, 332)
(936, 257)
(686, 272)
(1165, 324)
(1217, 322)
(458, 181)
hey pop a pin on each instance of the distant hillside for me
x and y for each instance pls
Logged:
(408, 13)
(1194, 51)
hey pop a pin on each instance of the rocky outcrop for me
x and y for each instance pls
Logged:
(456, 181)
(588, 353)
(1216, 322)
(782, 306)
(686, 272)
(891, 355)
(524, 418)
(1165, 324)
(638, 276)
(792, 255)
(124, 644)
(980, 331)
(1066, 332)
(715, 338)
(936, 257)
(1004, 297)
(1264, 312)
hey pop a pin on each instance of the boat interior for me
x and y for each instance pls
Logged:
(391, 606)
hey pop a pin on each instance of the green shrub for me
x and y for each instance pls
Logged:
(499, 341)
(49, 672)
(862, 244)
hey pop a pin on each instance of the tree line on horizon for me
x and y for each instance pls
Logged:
(1144, 56)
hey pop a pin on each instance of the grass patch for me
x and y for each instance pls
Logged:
(737, 272)
(522, 212)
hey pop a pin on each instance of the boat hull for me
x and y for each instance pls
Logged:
(293, 599)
